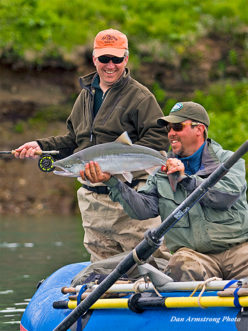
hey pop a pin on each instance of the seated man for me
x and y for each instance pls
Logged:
(212, 238)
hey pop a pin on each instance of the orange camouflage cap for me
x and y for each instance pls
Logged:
(110, 41)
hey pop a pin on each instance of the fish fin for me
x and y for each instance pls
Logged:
(163, 153)
(124, 139)
(151, 171)
(128, 176)
(173, 180)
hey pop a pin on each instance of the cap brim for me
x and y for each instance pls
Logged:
(162, 121)
(109, 51)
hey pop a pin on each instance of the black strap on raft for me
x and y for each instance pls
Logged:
(139, 302)
(147, 247)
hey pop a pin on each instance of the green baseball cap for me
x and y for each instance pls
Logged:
(183, 111)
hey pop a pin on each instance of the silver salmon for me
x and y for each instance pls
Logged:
(118, 157)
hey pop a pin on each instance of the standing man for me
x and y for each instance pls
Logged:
(212, 238)
(110, 102)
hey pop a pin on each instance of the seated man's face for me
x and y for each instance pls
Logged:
(185, 138)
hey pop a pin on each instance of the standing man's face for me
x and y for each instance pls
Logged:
(109, 72)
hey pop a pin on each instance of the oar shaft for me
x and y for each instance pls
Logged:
(208, 301)
(171, 302)
(99, 304)
(148, 287)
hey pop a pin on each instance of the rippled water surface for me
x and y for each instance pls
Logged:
(30, 250)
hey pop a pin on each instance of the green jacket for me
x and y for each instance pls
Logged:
(216, 223)
(127, 106)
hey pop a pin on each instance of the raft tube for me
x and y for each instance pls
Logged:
(40, 314)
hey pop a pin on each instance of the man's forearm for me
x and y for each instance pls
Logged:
(137, 205)
(217, 197)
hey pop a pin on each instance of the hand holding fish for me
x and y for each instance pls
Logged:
(28, 150)
(174, 165)
(93, 173)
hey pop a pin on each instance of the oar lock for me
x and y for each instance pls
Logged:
(157, 277)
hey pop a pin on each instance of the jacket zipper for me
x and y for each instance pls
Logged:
(116, 101)
(104, 100)
(91, 108)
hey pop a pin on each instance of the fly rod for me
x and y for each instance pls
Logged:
(36, 153)
(45, 162)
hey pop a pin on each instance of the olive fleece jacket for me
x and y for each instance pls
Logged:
(127, 106)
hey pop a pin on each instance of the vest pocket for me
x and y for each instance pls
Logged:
(219, 216)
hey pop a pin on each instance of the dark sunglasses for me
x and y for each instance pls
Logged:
(179, 126)
(107, 59)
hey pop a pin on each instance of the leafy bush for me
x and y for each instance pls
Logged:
(55, 26)
(227, 105)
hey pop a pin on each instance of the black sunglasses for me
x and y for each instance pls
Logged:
(179, 126)
(107, 59)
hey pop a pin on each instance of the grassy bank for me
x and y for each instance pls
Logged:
(37, 29)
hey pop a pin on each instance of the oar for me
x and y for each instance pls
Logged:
(153, 239)
(138, 303)
(36, 153)
(149, 287)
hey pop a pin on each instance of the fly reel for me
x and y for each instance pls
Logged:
(45, 163)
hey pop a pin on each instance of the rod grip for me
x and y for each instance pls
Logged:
(40, 152)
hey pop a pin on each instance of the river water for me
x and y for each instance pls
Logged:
(30, 250)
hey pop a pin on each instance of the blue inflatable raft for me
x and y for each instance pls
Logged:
(40, 314)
